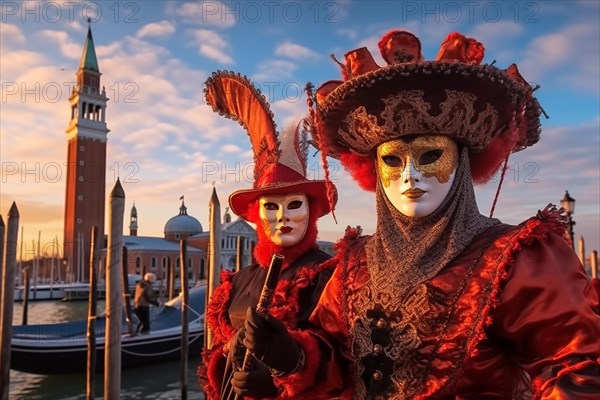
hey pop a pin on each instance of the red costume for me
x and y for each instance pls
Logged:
(279, 169)
(509, 318)
(451, 304)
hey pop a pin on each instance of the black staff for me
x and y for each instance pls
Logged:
(264, 301)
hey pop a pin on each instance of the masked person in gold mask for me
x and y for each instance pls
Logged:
(285, 207)
(441, 302)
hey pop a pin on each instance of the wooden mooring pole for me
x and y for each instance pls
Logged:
(2, 312)
(2, 230)
(172, 275)
(25, 295)
(8, 296)
(581, 248)
(114, 297)
(239, 260)
(127, 293)
(184, 317)
(594, 264)
(214, 256)
(170, 280)
(91, 322)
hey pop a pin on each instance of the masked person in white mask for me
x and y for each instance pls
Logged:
(285, 206)
(441, 302)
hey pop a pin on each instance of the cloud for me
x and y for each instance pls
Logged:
(76, 26)
(207, 12)
(110, 50)
(568, 53)
(10, 35)
(295, 51)
(289, 110)
(272, 70)
(496, 33)
(67, 47)
(247, 155)
(157, 29)
(539, 175)
(212, 45)
(17, 63)
(231, 149)
(346, 32)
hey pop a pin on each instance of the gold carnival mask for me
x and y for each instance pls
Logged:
(417, 176)
(433, 156)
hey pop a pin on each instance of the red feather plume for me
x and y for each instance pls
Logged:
(235, 97)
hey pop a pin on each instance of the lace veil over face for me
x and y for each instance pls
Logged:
(416, 249)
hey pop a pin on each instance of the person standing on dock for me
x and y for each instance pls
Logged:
(144, 297)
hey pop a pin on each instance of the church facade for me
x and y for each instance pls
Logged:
(159, 254)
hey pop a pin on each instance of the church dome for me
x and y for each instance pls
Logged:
(182, 225)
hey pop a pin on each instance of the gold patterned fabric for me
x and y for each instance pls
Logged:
(409, 113)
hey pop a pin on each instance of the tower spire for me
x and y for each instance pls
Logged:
(133, 222)
(89, 61)
(182, 208)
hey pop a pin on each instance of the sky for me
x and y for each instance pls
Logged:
(165, 142)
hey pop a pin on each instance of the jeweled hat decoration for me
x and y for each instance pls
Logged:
(489, 110)
(279, 165)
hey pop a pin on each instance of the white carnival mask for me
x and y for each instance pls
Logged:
(284, 217)
(418, 175)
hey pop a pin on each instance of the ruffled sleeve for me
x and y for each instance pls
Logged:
(326, 373)
(210, 372)
(322, 377)
(546, 316)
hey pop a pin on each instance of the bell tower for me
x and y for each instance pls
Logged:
(133, 225)
(86, 162)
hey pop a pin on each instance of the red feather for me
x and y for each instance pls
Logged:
(235, 97)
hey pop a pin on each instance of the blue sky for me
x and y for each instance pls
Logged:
(166, 142)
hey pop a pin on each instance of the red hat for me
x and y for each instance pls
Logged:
(279, 166)
(489, 110)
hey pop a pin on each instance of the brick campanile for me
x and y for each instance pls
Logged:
(86, 163)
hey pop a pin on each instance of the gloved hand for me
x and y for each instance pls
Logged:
(237, 351)
(268, 339)
(256, 383)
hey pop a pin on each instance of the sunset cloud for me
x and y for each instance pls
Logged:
(157, 29)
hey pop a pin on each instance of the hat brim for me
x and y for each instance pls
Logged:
(314, 190)
(491, 86)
